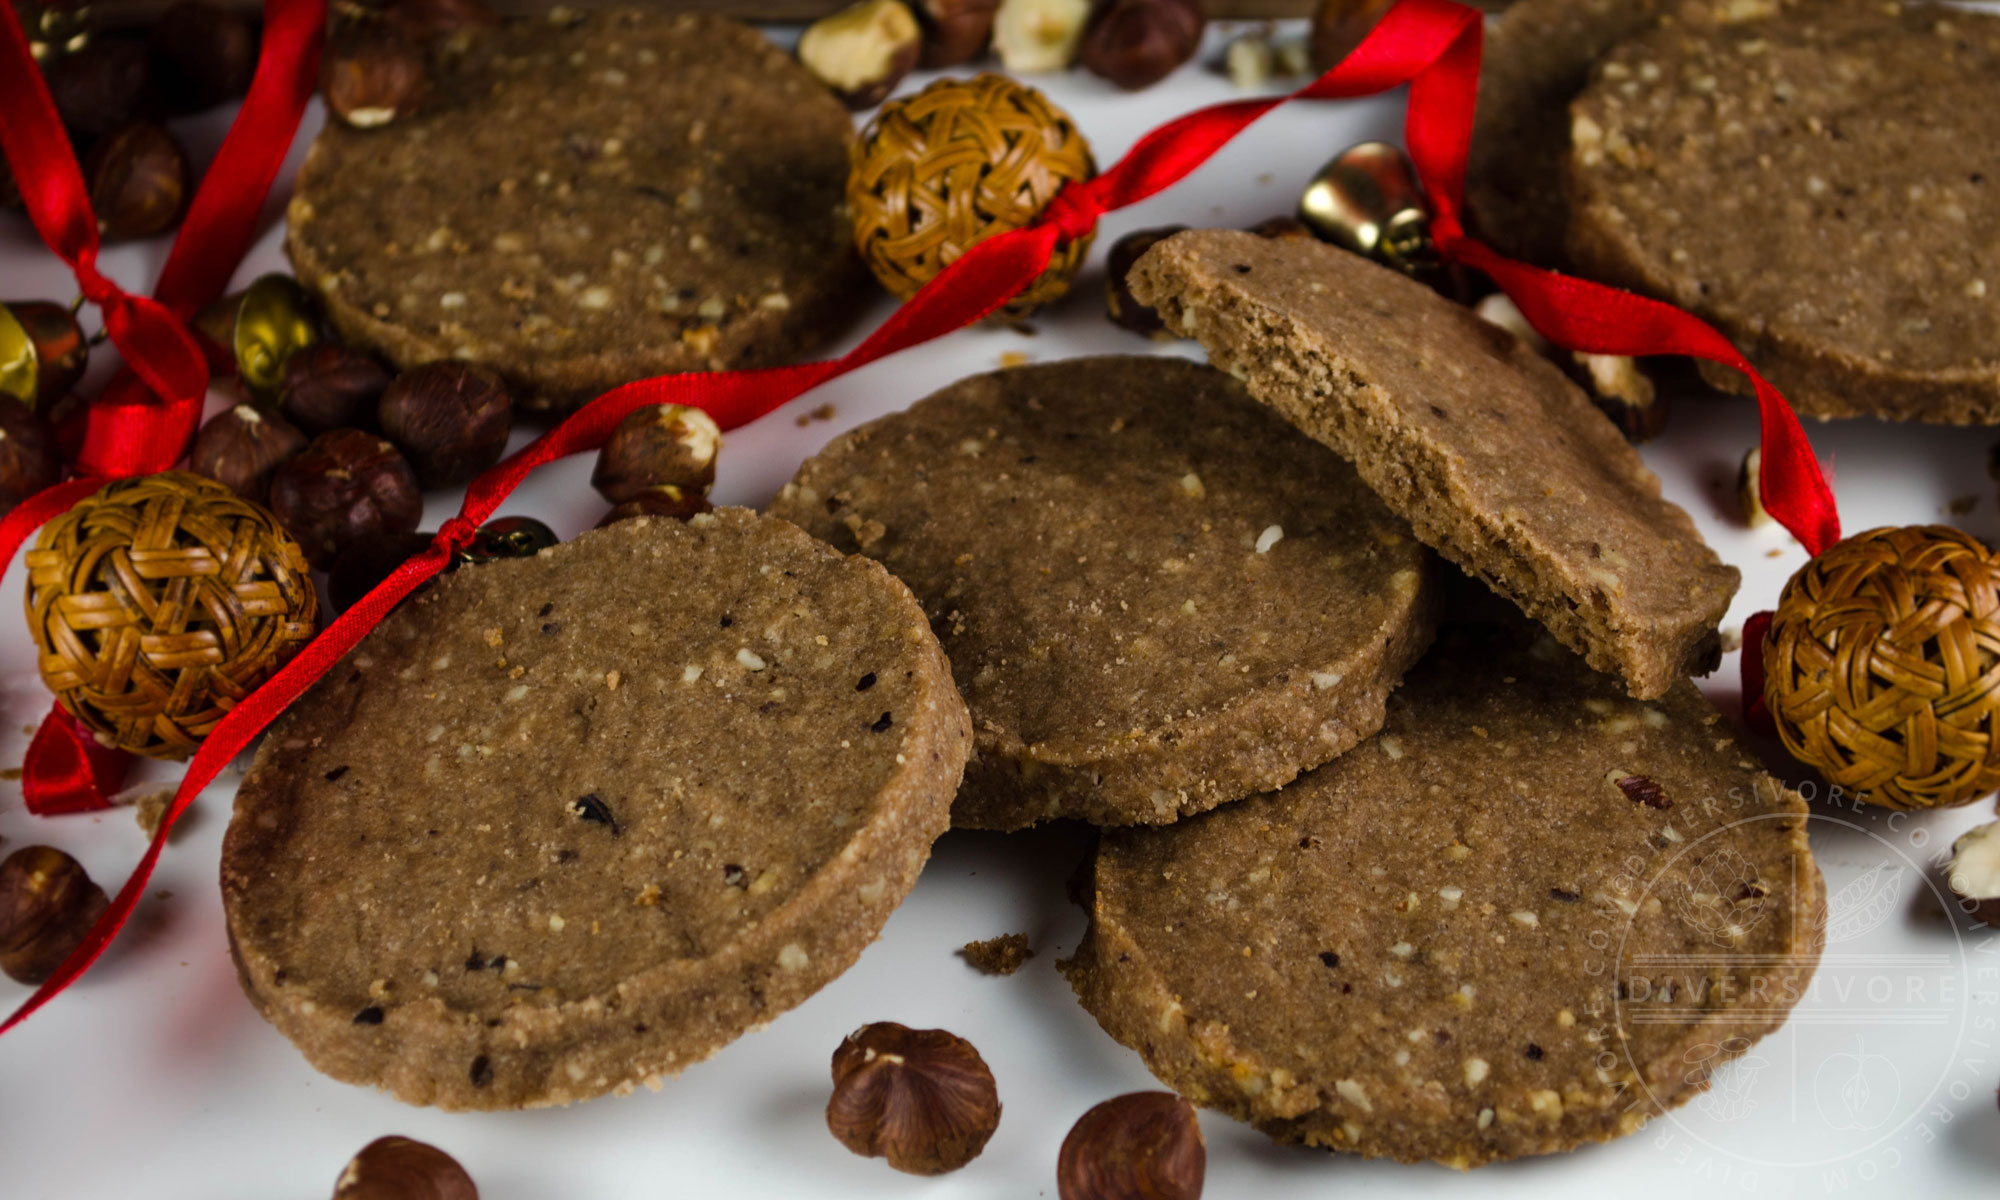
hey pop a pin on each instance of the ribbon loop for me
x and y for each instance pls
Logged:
(1073, 212)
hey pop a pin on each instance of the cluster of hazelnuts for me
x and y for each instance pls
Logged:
(114, 91)
(863, 51)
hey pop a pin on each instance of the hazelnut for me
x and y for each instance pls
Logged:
(1039, 35)
(1975, 872)
(1338, 26)
(329, 386)
(241, 447)
(47, 905)
(1750, 489)
(667, 501)
(1622, 389)
(1282, 229)
(1119, 304)
(70, 418)
(921, 1098)
(104, 86)
(452, 418)
(400, 1168)
(202, 54)
(863, 51)
(427, 19)
(1142, 1146)
(356, 570)
(1137, 43)
(955, 31)
(345, 486)
(1499, 309)
(1249, 62)
(373, 76)
(139, 181)
(30, 456)
(660, 445)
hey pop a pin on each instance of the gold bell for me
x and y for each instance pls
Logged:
(261, 327)
(42, 352)
(1368, 201)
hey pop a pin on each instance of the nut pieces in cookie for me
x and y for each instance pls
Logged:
(47, 904)
(921, 1098)
(1975, 872)
(345, 486)
(1141, 1146)
(863, 51)
(400, 1168)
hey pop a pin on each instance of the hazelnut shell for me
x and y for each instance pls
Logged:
(241, 447)
(400, 1168)
(103, 86)
(921, 1098)
(956, 32)
(863, 51)
(1338, 26)
(202, 54)
(451, 418)
(660, 445)
(30, 457)
(47, 905)
(1123, 309)
(139, 181)
(372, 77)
(1137, 43)
(345, 485)
(330, 386)
(1140, 1146)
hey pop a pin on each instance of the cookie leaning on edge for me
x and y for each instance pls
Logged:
(1428, 948)
(584, 200)
(564, 825)
(1824, 191)
(1494, 458)
(1156, 596)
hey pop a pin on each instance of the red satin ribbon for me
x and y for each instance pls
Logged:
(1432, 44)
(146, 417)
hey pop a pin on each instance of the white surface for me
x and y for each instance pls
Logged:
(154, 1078)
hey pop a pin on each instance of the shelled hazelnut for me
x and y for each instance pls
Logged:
(677, 503)
(330, 386)
(104, 86)
(863, 51)
(241, 447)
(400, 1168)
(30, 457)
(1039, 35)
(1141, 1146)
(921, 1098)
(451, 418)
(1120, 305)
(47, 905)
(1975, 872)
(202, 54)
(1249, 62)
(1338, 26)
(426, 19)
(1137, 43)
(345, 485)
(956, 32)
(1750, 489)
(139, 181)
(1620, 387)
(373, 76)
(660, 445)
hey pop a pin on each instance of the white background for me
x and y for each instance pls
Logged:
(154, 1078)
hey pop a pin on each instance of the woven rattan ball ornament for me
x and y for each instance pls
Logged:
(160, 602)
(1882, 667)
(958, 162)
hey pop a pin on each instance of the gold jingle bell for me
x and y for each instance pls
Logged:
(42, 352)
(1368, 200)
(261, 327)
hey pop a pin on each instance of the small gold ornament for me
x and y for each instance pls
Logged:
(54, 28)
(1368, 200)
(960, 161)
(1882, 667)
(42, 352)
(260, 328)
(507, 537)
(159, 603)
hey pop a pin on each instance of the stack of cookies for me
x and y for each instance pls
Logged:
(1813, 177)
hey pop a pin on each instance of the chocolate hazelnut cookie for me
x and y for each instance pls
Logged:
(1156, 596)
(1494, 457)
(584, 200)
(1822, 186)
(1530, 914)
(565, 825)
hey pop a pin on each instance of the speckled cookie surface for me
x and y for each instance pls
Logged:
(1531, 914)
(586, 200)
(564, 825)
(1493, 456)
(1823, 186)
(1156, 596)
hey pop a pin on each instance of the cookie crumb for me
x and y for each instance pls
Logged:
(824, 412)
(1001, 955)
(149, 808)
